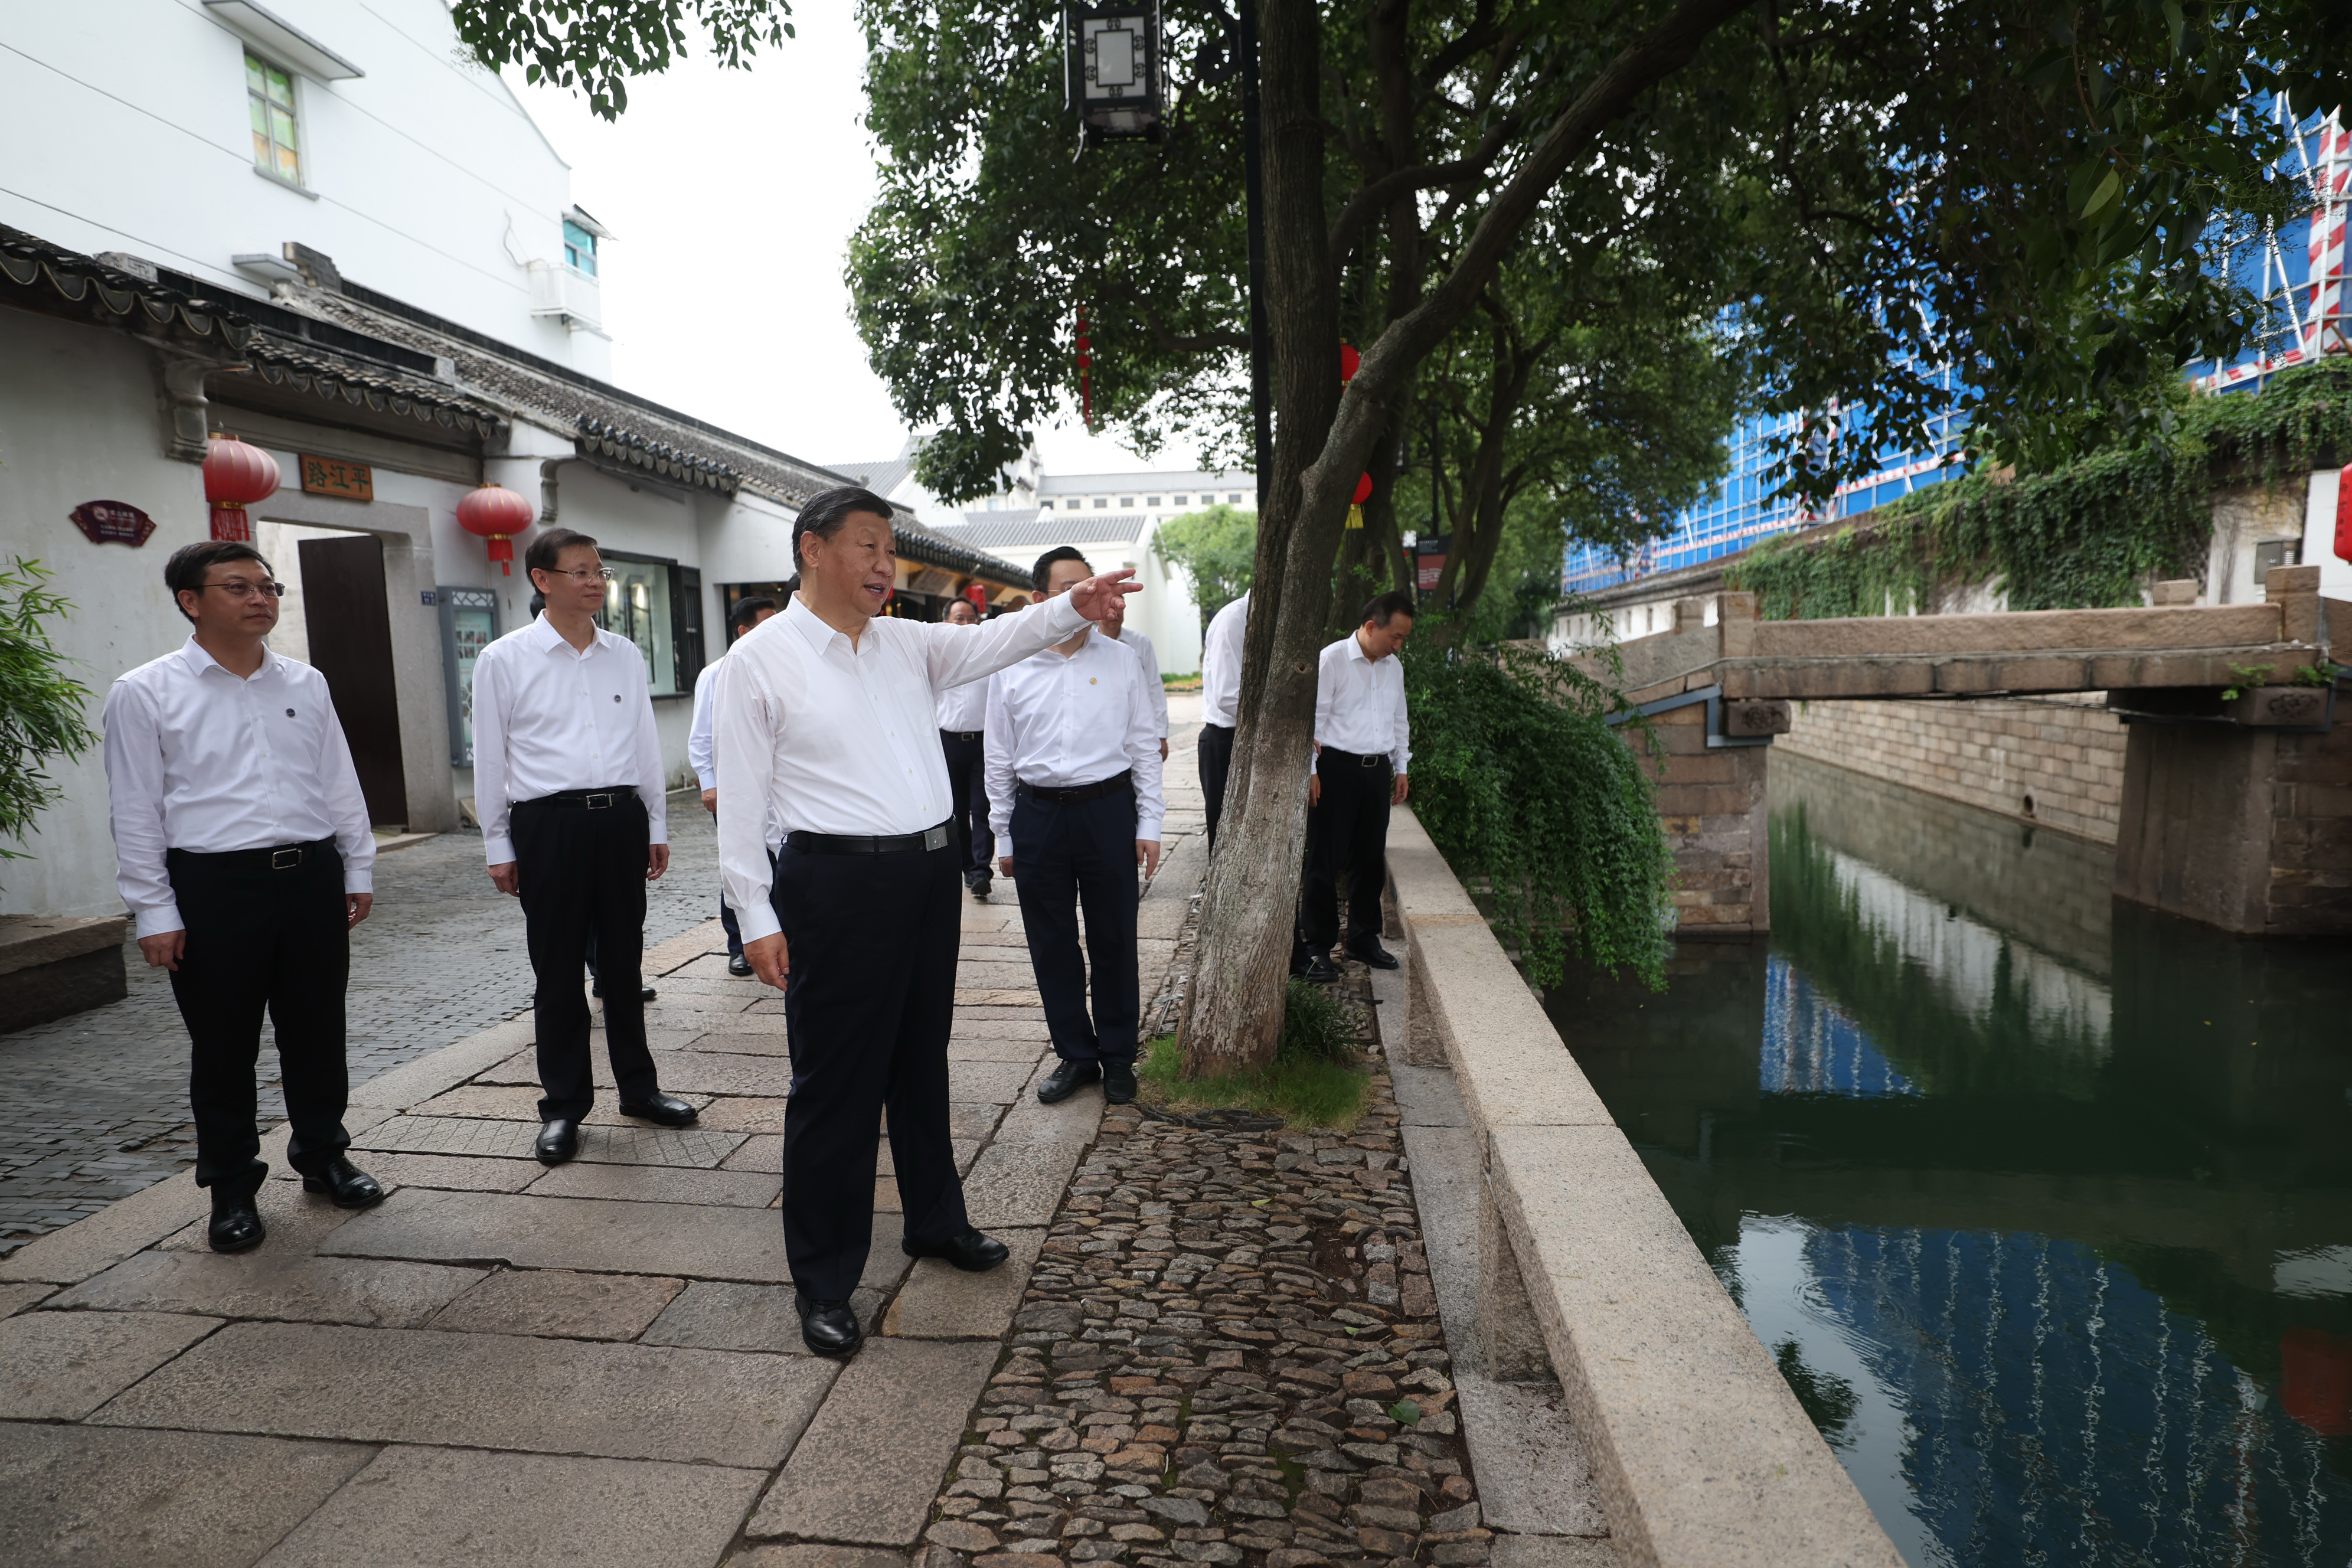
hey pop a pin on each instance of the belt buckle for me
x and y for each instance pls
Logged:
(935, 838)
(285, 860)
(597, 802)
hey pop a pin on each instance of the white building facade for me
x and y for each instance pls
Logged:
(321, 233)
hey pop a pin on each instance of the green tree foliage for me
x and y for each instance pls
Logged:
(1216, 548)
(596, 46)
(1526, 786)
(41, 707)
(2085, 534)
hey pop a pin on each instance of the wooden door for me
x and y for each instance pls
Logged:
(351, 643)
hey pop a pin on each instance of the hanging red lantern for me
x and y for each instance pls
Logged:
(496, 513)
(236, 474)
(1363, 494)
(1349, 360)
(2344, 514)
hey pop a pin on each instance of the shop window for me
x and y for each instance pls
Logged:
(270, 96)
(469, 623)
(656, 605)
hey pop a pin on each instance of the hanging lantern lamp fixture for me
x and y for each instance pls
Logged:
(1363, 494)
(496, 513)
(236, 474)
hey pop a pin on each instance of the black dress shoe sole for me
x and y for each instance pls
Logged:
(312, 1185)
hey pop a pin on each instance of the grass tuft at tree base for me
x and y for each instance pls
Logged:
(1318, 1078)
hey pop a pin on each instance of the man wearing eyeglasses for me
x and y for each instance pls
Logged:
(568, 782)
(242, 849)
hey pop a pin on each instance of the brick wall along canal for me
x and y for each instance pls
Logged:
(2043, 1204)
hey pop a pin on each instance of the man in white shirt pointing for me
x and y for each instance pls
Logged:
(243, 851)
(1362, 749)
(568, 780)
(1073, 795)
(827, 716)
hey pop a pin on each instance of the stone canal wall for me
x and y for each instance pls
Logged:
(1701, 1454)
(2056, 761)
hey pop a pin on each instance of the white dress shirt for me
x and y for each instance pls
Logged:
(1221, 664)
(550, 720)
(1058, 724)
(1154, 689)
(839, 738)
(199, 759)
(1360, 705)
(698, 735)
(963, 709)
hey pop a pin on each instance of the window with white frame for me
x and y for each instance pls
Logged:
(578, 249)
(269, 95)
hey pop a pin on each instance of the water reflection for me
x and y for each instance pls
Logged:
(2043, 1205)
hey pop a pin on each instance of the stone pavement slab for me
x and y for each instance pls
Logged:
(15, 1298)
(1555, 1552)
(940, 1301)
(519, 1102)
(260, 1284)
(745, 1114)
(658, 1184)
(985, 1023)
(296, 1222)
(412, 1082)
(91, 1497)
(718, 1315)
(601, 1236)
(496, 1139)
(559, 1304)
(999, 1082)
(107, 1237)
(483, 1390)
(963, 1049)
(440, 1508)
(801, 1554)
(867, 1469)
(761, 1022)
(1019, 1183)
(60, 1366)
(455, 1173)
(733, 1043)
(1532, 1475)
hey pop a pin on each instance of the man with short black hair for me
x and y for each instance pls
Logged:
(1073, 794)
(1221, 700)
(827, 717)
(568, 784)
(747, 612)
(1362, 748)
(962, 711)
(243, 852)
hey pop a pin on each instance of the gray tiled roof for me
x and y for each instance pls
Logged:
(881, 478)
(1028, 528)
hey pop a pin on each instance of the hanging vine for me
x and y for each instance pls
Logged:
(2088, 535)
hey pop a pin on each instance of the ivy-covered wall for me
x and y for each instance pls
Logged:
(2089, 535)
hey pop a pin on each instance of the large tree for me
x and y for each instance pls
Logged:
(2039, 194)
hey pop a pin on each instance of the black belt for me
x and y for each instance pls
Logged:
(962, 734)
(1221, 729)
(284, 857)
(1095, 791)
(1374, 759)
(863, 844)
(586, 800)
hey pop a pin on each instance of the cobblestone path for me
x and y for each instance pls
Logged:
(95, 1106)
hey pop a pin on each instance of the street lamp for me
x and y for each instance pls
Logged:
(1114, 78)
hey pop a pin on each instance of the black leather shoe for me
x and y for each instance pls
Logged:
(980, 887)
(557, 1140)
(598, 990)
(738, 966)
(1371, 952)
(828, 1328)
(1066, 1079)
(666, 1109)
(236, 1224)
(346, 1184)
(1321, 970)
(1119, 1082)
(972, 1252)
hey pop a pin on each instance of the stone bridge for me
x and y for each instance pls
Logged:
(2237, 805)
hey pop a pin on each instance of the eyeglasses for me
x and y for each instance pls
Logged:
(579, 574)
(239, 588)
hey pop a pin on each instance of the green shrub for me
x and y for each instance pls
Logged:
(41, 707)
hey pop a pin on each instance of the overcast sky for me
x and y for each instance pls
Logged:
(733, 195)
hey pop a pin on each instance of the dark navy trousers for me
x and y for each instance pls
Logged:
(1068, 858)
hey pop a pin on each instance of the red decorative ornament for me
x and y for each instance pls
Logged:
(1363, 494)
(235, 475)
(2344, 514)
(496, 513)
(1349, 360)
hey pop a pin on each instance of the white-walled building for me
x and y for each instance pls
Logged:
(307, 225)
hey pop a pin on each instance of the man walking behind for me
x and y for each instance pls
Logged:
(747, 614)
(568, 782)
(827, 716)
(242, 847)
(1073, 793)
(963, 709)
(1221, 698)
(1362, 748)
(1115, 628)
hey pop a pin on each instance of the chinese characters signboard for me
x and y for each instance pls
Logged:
(1429, 561)
(113, 522)
(334, 476)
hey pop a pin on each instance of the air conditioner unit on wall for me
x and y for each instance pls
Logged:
(571, 297)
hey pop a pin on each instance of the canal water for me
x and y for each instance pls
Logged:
(2042, 1203)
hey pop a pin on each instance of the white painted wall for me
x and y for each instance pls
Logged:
(425, 179)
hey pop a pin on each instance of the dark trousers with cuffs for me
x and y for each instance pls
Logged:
(262, 938)
(1072, 856)
(1349, 832)
(1217, 750)
(968, 790)
(872, 941)
(584, 876)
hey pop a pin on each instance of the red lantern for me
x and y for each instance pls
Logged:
(2344, 514)
(496, 513)
(1363, 494)
(1349, 360)
(235, 475)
